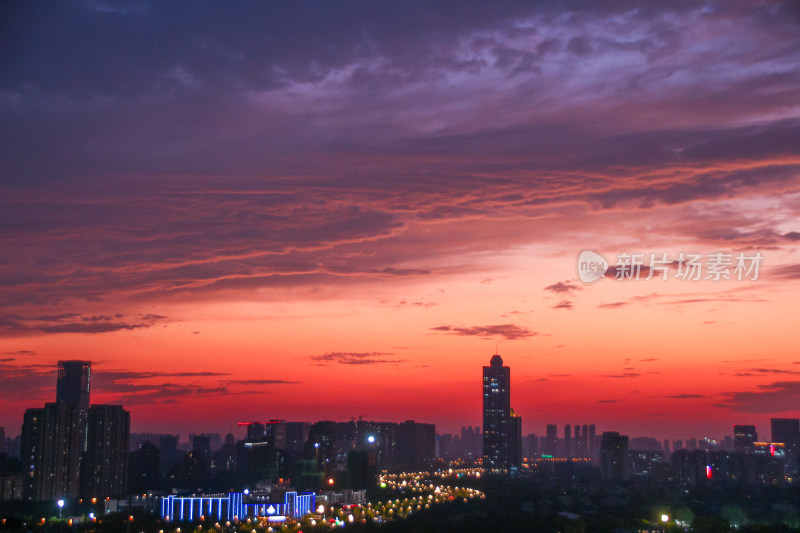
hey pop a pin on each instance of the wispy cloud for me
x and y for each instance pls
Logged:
(508, 331)
(623, 375)
(72, 323)
(356, 358)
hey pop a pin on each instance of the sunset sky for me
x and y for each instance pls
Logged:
(330, 210)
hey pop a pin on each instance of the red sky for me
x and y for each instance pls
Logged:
(325, 212)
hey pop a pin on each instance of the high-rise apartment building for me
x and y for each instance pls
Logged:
(52, 443)
(105, 462)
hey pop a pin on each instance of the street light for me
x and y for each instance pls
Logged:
(60, 508)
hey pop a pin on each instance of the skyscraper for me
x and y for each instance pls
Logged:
(496, 415)
(74, 382)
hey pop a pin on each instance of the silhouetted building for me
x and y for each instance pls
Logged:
(105, 468)
(648, 464)
(168, 454)
(471, 442)
(568, 449)
(275, 431)
(362, 469)
(144, 468)
(321, 444)
(744, 438)
(296, 437)
(52, 442)
(515, 441)
(73, 387)
(496, 414)
(614, 456)
(550, 445)
(256, 431)
(530, 446)
(74, 383)
(787, 431)
(415, 445)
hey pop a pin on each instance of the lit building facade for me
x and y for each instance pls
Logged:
(235, 506)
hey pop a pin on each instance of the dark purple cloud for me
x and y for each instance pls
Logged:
(563, 287)
(262, 382)
(193, 152)
(563, 304)
(787, 272)
(776, 397)
(71, 323)
(508, 331)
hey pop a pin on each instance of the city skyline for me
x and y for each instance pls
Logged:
(498, 439)
(308, 213)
